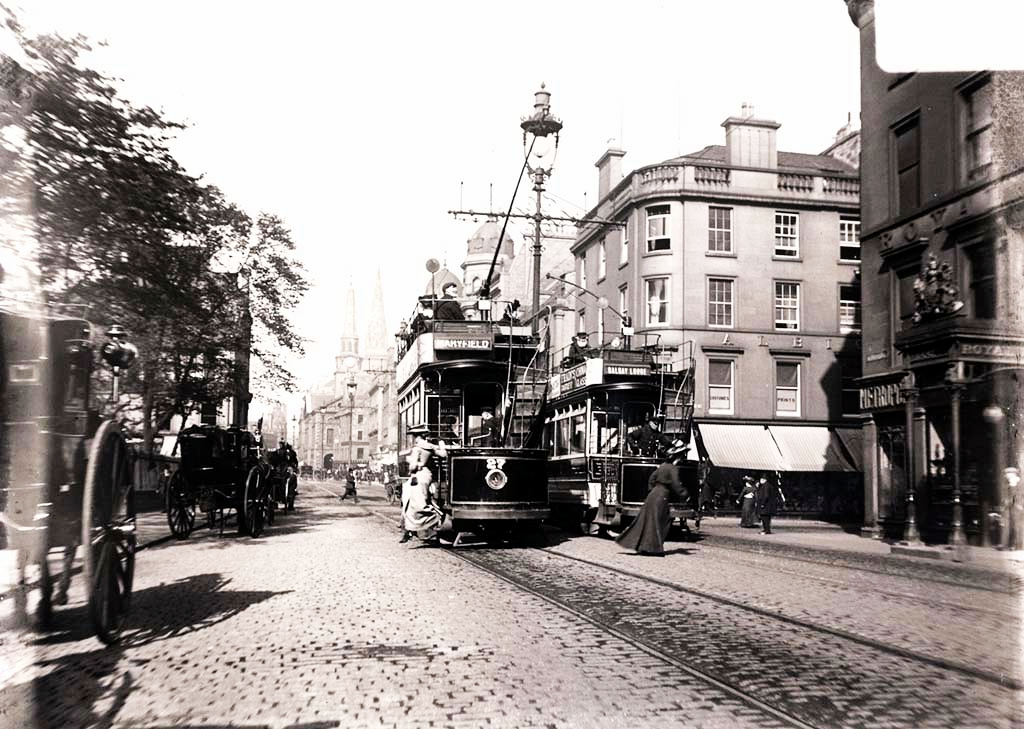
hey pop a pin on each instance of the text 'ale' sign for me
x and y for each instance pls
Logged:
(465, 343)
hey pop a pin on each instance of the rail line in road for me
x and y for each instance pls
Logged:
(633, 608)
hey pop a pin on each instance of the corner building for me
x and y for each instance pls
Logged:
(943, 209)
(746, 259)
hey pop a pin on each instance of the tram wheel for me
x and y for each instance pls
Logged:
(250, 516)
(181, 510)
(108, 532)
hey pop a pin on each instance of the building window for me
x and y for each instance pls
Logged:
(581, 320)
(849, 373)
(359, 435)
(787, 232)
(787, 306)
(849, 308)
(720, 230)
(329, 438)
(849, 238)
(602, 261)
(908, 167)
(720, 302)
(657, 228)
(583, 271)
(904, 299)
(624, 250)
(977, 130)
(720, 379)
(624, 300)
(657, 300)
(787, 388)
(476, 285)
(359, 454)
(981, 277)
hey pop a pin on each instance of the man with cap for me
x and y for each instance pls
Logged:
(448, 308)
(490, 428)
(648, 440)
(511, 315)
(580, 350)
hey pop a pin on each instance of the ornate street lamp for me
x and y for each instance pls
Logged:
(956, 383)
(908, 390)
(540, 145)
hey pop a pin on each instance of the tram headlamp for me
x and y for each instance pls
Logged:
(496, 479)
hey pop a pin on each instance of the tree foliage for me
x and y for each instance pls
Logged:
(200, 286)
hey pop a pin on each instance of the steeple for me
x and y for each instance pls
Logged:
(349, 334)
(377, 338)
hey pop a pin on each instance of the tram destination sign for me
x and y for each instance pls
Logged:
(632, 370)
(472, 343)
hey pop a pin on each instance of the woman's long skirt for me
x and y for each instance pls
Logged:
(748, 517)
(418, 514)
(648, 531)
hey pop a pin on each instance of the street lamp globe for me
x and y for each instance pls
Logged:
(541, 134)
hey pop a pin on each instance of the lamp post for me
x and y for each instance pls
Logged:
(956, 383)
(119, 355)
(351, 416)
(540, 160)
(909, 393)
(626, 327)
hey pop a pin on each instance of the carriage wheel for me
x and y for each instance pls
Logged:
(250, 516)
(108, 531)
(293, 487)
(181, 509)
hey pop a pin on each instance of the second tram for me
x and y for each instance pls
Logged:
(478, 385)
(597, 475)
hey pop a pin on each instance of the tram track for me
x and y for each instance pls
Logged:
(632, 607)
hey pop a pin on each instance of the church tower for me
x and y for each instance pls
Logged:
(377, 338)
(347, 360)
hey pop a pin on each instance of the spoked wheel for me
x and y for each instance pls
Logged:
(181, 507)
(108, 531)
(292, 489)
(250, 516)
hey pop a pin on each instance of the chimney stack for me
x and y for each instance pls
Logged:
(609, 170)
(750, 142)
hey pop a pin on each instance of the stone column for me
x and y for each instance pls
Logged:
(870, 458)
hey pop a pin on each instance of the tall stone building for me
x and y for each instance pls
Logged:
(942, 209)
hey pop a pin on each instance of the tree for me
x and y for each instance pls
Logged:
(124, 229)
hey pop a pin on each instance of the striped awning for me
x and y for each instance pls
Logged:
(810, 448)
(741, 446)
(853, 440)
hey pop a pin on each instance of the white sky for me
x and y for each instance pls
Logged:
(356, 123)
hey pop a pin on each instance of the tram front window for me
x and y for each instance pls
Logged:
(606, 427)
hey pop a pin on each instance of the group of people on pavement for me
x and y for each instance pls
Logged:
(760, 500)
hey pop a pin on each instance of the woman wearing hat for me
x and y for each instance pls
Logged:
(419, 514)
(748, 503)
(648, 531)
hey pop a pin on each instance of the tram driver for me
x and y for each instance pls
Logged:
(648, 440)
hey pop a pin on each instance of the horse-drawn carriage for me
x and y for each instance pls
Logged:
(65, 475)
(221, 470)
(283, 478)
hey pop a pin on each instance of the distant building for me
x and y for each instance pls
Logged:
(747, 259)
(351, 418)
(942, 210)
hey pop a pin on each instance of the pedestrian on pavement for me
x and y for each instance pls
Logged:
(1012, 536)
(350, 487)
(420, 516)
(769, 499)
(748, 503)
(648, 531)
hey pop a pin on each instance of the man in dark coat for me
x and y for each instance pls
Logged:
(448, 308)
(511, 315)
(490, 429)
(770, 500)
(580, 349)
(648, 440)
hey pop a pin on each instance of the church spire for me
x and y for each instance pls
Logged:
(377, 339)
(349, 335)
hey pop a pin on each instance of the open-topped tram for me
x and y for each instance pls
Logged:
(493, 481)
(600, 399)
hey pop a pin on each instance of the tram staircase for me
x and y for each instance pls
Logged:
(525, 413)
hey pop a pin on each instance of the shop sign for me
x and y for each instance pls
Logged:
(1011, 352)
(876, 397)
(575, 378)
(473, 343)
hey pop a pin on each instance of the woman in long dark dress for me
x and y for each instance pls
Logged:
(748, 503)
(648, 531)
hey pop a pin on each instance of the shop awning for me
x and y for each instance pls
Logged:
(810, 448)
(853, 440)
(741, 446)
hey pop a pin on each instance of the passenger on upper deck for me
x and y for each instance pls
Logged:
(423, 319)
(580, 350)
(448, 308)
(511, 315)
(648, 440)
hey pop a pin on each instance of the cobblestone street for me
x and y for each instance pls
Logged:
(327, 621)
